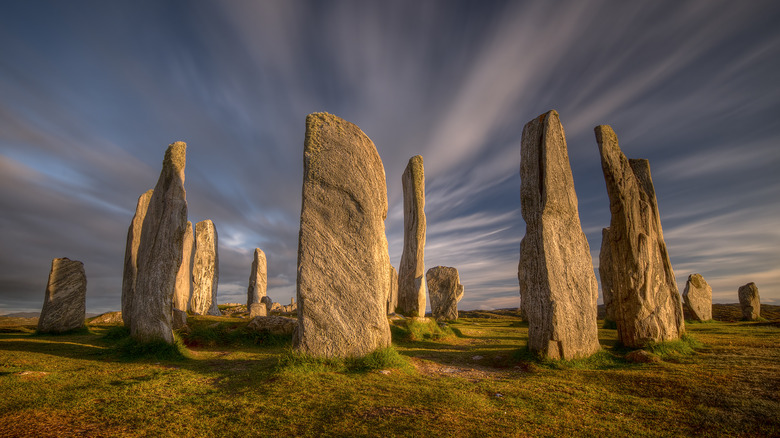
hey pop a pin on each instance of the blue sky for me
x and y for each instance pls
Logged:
(91, 94)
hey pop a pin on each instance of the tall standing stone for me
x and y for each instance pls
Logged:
(445, 291)
(411, 271)
(637, 276)
(258, 279)
(160, 251)
(557, 282)
(342, 286)
(697, 297)
(65, 303)
(392, 295)
(750, 301)
(181, 298)
(205, 270)
(130, 274)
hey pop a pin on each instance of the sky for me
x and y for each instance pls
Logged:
(92, 93)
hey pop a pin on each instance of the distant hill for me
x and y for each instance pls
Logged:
(23, 315)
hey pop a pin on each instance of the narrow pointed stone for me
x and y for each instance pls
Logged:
(258, 279)
(557, 282)
(342, 285)
(181, 298)
(64, 306)
(160, 251)
(130, 275)
(445, 291)
(205, 270)
(636, 275)
(392, 296)
(411, 271)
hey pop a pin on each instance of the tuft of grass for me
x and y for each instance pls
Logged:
(415, 330)
(116, 333)
(233, 334)
(293, 361)
(685, 346)
(601, 360)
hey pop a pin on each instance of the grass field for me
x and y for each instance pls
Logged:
(471, 378)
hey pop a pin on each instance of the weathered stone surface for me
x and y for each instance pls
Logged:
(276, 307)
(637, 276)
(290, 308)
(557, 282)
(411, 271)
(160, 251)
(342, 286)
(181, 296)
(205, 270)
(65, 302)
(179, 319)
(392, 295)
(258, 309)
(697, 296)
(258, 279)
(130, 274)
(445, 291)
(108, 318)
(276, 325)
(268, 303)
(750, 301)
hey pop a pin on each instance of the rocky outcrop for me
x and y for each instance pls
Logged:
(65, 302)
(445, 291)
(392, 295)
(557, 282)
(637, 276)
(411, 271)
(205, 270)
(697, 296)
(183, 292)
(342, 249)
(258, 279)
(130, 274)
(750, 301)
(275, 325)
(160, 251)
(108, 318)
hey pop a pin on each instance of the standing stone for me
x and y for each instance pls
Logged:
(637, 276)
(130, 274)
(557, 282)
(342, 251)
(160, 251)
(392, 295)
(445, 291)
(258, 309)
(65, 303)
(411, 271)
(181, 298)
(258, 279)
(750, 301)
(205, 270)
(697, 296)
(268, 303)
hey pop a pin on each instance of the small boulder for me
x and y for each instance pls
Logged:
(257, 309)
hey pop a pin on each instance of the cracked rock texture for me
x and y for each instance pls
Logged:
(697, 297)
(411, 271)
(205, 270)
(445, 291)
(342, 286)
(65, 302)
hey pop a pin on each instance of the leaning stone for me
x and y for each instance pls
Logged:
(160, 251)
(445, 291)
(750, 301)
(275, 325)
(205, 270)
(392, 296)
(179, 319)
(636, 273)
(181, 298)
(130, 274)
(65, 303)
(258, 309)
(557, 282)
(697, 296)
(258, 279)
(411, 271)
(342, 286)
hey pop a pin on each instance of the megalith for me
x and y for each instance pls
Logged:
(750, 301)
(697, 297)
(205, 270)
(557, 282)
(130, 274)
(445, 291)
(181, 298)
(258, 279)
(411, 271)
(65, 302)
(342, 286)
(637, 277)
(160, 251)
(392, 295)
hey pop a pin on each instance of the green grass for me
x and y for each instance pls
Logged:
(472, 377)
